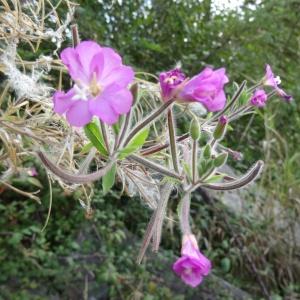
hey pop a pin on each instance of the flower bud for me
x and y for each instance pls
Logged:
(204, 138)
(220, 128)
(220, 160)
(207, 151)
(195, 130)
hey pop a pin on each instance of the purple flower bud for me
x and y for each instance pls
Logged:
(223, 120)
(32, 172)
(221, 128)
(259, 98)
(192, 266)
(170, 82)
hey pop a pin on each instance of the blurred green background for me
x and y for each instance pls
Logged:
(78, 257)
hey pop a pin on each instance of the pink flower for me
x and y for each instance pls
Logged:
(32, 172)
(207, 88)
(170, 82)
(100, 85)
(192, 265)
(259, 98)
(271, 80)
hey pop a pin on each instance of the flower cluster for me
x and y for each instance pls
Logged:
(104, 88)
(260, 97)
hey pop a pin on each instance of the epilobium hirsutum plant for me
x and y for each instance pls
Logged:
(140, 146)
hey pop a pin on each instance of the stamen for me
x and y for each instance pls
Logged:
(95, 88)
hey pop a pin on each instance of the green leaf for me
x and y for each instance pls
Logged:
(207, 151)
(94, 134)
(220, 160)
(214, 178)
(137, 142)
(108, 179)
(187, 169)
(35, 181)
(86, 148)
(226, 264)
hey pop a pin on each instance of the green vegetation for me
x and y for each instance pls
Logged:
(80, 254)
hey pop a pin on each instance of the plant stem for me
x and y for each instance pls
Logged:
(105, 137)
(172, 139)
(185, 214)
(75, 35)
(123, 130)
(147, 121)
(194, 161)
(156, 167)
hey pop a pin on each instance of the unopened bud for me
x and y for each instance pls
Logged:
(220, 160)
(195, 130)
(207, 151)
(220, 128)
(204, 138)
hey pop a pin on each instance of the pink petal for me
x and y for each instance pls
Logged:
(215, 104)
(71, 60)
(79, 113)
(86, 51)
(205, 264)
(97, 65)
(193, 279)
(112, 60)
(62, 101)
(101, 107)
(121, 76)
(121, 101)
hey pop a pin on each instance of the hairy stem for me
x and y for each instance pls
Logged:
(194, 161)
(172, 139)
(185, 214)
(234, 184)
(79, 179)
(147, 121)
(156, 167)
(105, 136)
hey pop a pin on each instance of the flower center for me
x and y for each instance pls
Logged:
(94, 87)
(171, 79)
(188, 271)
(85, 92)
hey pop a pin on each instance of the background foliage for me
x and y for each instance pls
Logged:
(78, 255)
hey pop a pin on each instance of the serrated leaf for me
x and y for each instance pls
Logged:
(108, 180)
(137, 142)
(94, 134)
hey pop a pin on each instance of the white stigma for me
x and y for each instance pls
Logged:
(81, 92)
(277, 80)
